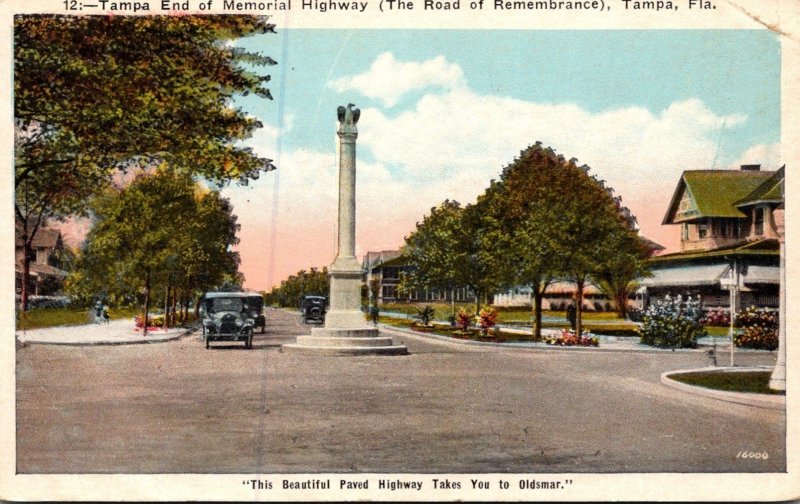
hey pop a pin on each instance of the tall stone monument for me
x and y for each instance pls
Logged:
(346, 331)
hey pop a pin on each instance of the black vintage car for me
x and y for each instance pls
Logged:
(255, 302)
(312, 308)
(227, 316)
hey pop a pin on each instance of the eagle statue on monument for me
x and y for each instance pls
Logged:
(348, 117)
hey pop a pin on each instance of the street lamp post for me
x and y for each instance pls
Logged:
(732, 284)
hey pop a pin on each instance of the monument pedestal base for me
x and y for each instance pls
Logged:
(359, 341)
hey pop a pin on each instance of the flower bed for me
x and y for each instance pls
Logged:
(568, 338)
(759, 329)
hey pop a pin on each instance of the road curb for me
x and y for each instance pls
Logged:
(147, 340)
(764, 401)
(536, 346)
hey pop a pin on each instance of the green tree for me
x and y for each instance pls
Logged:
(617, 273)
(95, 94)
(159, 232)
(547, 218)
(436, 249)
(448, 252)
(315, 281)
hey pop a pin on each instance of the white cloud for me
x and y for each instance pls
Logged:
(452, 142)
(389, 79)
(767, 155)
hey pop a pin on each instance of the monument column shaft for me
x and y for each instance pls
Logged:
(346, 331)
(347, 195)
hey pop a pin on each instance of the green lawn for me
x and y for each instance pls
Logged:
(612, 325)
(501, 337)
(756, 382)
(50, 317)
(718, 331)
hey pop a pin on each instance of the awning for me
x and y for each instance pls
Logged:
(688, 275)
(762, 275)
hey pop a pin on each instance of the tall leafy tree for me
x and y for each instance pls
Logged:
(547, 218)
(95, 94)
(159, 232)
(447, 250)
(436, 249)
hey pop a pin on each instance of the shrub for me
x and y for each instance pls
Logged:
(425, 314)
(716, 318)
(568, 338)
(463, 319)
(760, 329)
(635, 315)
(673, 323)
(35, 301)
(487, 318)
(152, 322)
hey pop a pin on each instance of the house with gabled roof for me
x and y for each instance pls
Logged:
(728, 236)
(45, 266)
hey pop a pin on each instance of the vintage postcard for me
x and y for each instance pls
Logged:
(381, 250)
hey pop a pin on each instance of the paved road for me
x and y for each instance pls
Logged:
(176, 407)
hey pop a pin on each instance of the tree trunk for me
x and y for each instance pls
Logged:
(26, 273)
(173, 308)
(166, 308)
(622, 303)
(146, 303)
(579, 307)
(537, 314)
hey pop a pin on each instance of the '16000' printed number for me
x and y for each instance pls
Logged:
(752, 455)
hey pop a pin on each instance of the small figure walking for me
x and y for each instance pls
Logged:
(106, 316)
(572, 315)
(374, 312)
(98, 312)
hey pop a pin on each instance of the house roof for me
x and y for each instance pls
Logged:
(44, 238)
(373, 259)
(653, 246)
(765, 247)
(769, 191)
(715, 192)
(39, 270)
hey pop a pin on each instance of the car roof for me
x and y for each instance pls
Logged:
(215, 294)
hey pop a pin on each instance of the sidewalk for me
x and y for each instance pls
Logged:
(118, 332)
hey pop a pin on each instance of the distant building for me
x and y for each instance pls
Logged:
(728, 236)
(45, 267)
(560, 294)
(388, 267)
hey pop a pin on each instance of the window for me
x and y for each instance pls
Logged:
(702, 230)
(758, 220)
(685, 234)
(718, 228)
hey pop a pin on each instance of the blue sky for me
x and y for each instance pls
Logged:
(444, 110)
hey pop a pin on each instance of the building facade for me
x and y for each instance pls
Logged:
(387, 268)
(729, 239)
